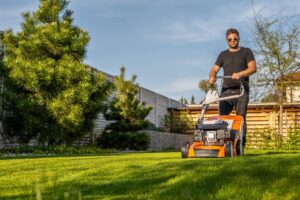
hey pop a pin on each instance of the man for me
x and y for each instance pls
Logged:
(239, 63)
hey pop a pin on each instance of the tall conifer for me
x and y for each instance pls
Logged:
(44, 61)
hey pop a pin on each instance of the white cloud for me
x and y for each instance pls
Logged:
(212, 27)
(182, 88)
(185, 32)
(196, 30)
(180, 85)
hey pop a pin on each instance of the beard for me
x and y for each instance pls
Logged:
(234, 46)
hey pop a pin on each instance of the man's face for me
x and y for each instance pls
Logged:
(233, 40)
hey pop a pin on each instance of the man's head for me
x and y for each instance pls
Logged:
(232, 37)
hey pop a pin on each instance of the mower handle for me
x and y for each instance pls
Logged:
(223, 77)
(205, 105)
(242, 91)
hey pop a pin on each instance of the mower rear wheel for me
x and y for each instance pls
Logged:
(185, 150)
(229, 149)
(239, 148)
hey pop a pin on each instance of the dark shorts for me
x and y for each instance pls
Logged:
(240, 105)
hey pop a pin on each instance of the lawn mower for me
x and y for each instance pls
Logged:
(217, 136)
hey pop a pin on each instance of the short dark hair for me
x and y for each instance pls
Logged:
(232, 30)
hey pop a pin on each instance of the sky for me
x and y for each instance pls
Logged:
(169, 44)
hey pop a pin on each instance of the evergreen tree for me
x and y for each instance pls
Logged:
(193, 100)
(49, 84)
(125, 108)
(183, 100)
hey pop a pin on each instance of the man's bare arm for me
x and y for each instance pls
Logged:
(213, 73)
(251, 69)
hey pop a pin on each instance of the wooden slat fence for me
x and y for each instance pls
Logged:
(262, 121)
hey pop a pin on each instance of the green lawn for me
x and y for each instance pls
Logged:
(257, 175)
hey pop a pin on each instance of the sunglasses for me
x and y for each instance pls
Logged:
(232, 39)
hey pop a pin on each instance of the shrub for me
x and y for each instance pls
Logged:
(53, 150)
(268, 138)
(293, 140)
(124, 140)
(177, 122)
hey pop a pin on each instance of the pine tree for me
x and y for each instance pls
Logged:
(44, 62)
(193, 100)
(183, 100)
(125, 108)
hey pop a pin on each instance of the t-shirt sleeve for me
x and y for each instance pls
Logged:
(219, 60)
(249, 56)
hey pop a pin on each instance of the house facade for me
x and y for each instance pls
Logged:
(293, 87)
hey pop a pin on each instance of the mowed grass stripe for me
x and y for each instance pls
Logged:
(257, 175)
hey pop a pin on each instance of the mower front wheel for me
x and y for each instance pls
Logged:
(185, 150)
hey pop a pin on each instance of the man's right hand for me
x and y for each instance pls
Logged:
(211, 80)
(211, 83)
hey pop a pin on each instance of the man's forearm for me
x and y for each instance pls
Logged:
(251, 69)
(213, 73)
(246, 73)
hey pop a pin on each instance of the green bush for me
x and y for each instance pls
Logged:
(52, 150)
(293, 140)
(177, 122)
(124, 140)
(269, 138)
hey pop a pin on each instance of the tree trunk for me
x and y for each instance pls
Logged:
(280, 131)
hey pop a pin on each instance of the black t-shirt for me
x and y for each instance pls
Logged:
(233, 62)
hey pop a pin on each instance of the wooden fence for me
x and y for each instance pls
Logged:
(262, 121)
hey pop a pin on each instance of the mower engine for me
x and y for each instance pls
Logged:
(213, 133)
(217, 137)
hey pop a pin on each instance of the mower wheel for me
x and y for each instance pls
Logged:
(185, 150)
(239, 148)
(229, 149)
(239, 145)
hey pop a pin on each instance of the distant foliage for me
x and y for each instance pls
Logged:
(177, 122)
(271, 97)
(293, 140)
(193, 100)
(124, 140)
(269, 138)
(49, 92)
(183, 100)
(50, 150)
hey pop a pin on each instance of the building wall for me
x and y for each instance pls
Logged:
(293, 94)
(160, 141)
